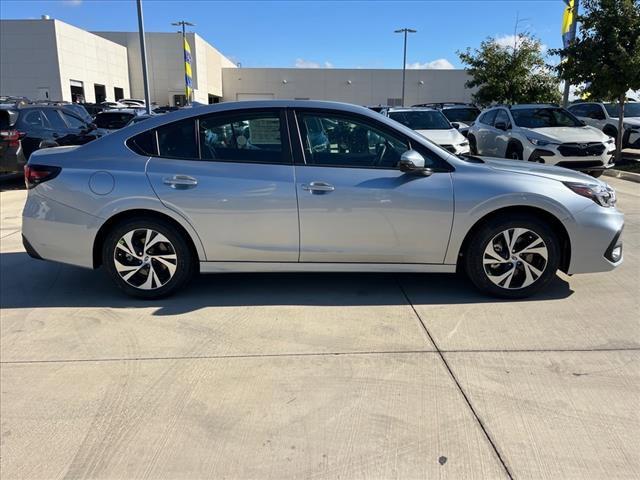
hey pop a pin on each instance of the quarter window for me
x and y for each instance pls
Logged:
(73, 122)
(178, 140)
(330, 140)
(34, 119)
(253, 138)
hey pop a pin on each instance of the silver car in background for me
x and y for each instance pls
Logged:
(308, 186)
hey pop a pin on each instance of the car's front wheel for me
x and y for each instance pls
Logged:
(513, 258)
(147, 258)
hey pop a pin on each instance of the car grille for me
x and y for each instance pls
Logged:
(580, 165)
(451, 148)
(591, 149)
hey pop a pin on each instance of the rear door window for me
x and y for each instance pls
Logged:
(250, 137)
(489, 117)
(34, 119)
(54, 118)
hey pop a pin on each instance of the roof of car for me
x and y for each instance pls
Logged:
(133, 111)
(411, 109)
(531, 105)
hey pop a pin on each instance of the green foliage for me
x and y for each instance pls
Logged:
(510, 74)
(605, 57)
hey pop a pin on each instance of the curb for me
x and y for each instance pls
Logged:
(629, 176)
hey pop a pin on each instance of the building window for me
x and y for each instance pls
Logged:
(77, 91)
(179, 100)
(100, 92)
(118, 93)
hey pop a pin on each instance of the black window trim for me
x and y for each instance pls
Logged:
(284, 134)
(300, 157)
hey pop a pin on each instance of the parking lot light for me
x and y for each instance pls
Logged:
(404, 58)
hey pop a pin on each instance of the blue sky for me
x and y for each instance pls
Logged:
(347, 34)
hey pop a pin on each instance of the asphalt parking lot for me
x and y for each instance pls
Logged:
(317, 375)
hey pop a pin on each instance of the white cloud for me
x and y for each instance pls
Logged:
(302, 63)
(507, 41)
(439, 64)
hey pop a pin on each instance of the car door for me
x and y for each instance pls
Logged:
(501, 136)
(596, 116)
(231, 176)
(484, 139)
(355, 205)
(78, 131)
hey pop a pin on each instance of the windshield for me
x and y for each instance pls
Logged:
(112, 120)
(422, 119)
(464, 115)
(630, 109)
(544, 117)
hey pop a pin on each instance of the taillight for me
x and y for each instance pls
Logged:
(37, 174)
(12, 137)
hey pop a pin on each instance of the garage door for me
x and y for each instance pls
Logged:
(254, 96)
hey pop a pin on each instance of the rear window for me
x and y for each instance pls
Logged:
(178, 140)
(422, 119)
(112, 120)
(464, 115)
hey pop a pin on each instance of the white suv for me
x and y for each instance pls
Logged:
(544, 134)
(432, 124)
(605, 116)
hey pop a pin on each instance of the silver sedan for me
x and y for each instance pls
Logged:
(308, 186)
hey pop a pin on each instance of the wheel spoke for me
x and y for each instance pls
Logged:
(128, 244)
(506, 277)
(164, 259)
(158, 238)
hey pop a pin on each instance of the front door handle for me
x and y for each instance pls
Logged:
(318, 187)
(180, 182)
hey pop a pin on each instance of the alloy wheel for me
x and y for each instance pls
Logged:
(145, 259)
(515, 258)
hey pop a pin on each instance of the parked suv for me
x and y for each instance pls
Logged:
(303, 186)
(544, 134)
(461, 115)
(605, 116)
(109, 121)
(11, 155)
(42, 126)
(432, 124)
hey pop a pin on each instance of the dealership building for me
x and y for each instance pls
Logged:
(48, 59)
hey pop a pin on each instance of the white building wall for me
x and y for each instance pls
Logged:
(29, 59)
(359, 86)
(92, 60)
(166, 65)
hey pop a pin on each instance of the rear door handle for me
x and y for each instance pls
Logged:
(180, 182)
(318, 187)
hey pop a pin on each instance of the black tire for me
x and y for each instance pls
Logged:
(514, 151)
(611, 131)
(177, 245)
(475, 254)
(596, 173)
(473, 147)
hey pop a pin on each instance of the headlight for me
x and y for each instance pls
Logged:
(603, 195)
(540, 143)
(464, 144)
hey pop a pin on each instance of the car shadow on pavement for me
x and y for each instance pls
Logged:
(29, 283)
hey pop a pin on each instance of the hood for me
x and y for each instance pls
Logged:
(450, 136)
(569, 134)
(546, 171)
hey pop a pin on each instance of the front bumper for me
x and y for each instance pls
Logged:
(594, 233)
(550, 155)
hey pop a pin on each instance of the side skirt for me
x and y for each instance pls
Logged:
(226, 267)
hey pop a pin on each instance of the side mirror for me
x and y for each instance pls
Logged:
(455, 125)
(412, 162)
(582, 123)
(501, 126)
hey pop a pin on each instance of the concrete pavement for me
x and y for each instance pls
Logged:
(317, 376)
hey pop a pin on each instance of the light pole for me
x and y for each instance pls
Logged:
(143, 55)
(183, 24)
(404, 61)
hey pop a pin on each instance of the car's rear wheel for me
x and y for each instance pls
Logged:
(147, 258)
(514, 258)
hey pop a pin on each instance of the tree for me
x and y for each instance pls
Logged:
(604, 59)
(510, 74)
